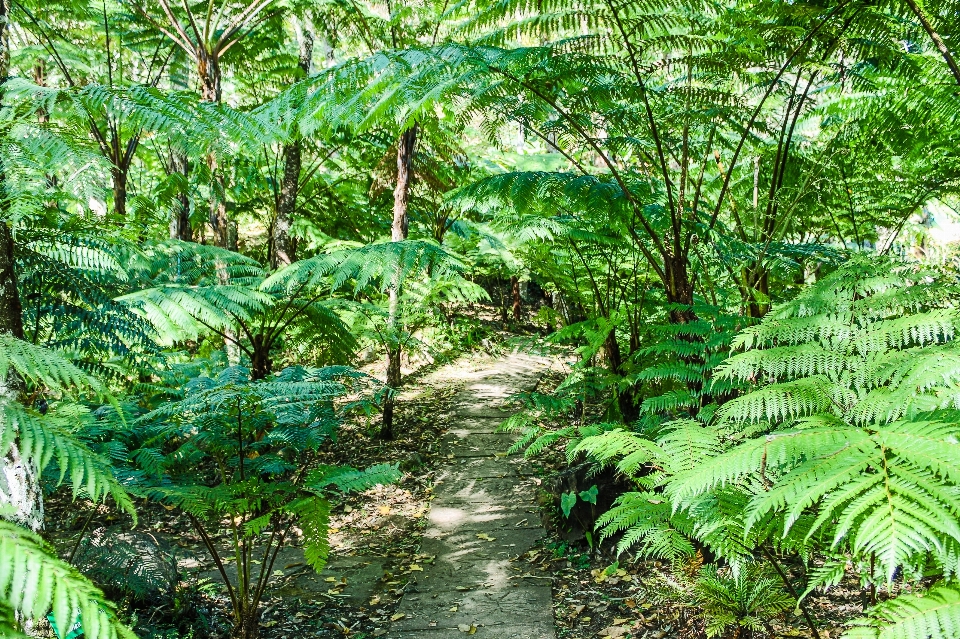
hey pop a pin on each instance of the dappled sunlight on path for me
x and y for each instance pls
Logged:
(482, 517)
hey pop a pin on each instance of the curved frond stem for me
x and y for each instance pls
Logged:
(807, 40)
(654, 237)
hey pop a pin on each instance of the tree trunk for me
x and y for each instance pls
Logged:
(208, 69)
(19, 477)
(401, 197)
(119, 176)
(180, 215)
(679, 289)
(248, 627)
(937, 40)
(284, 247)
(261, 364)
(515, 292)
(625, 398)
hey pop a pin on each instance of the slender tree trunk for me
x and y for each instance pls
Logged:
(119, 176)
(208, 69)
(180, 215)
(625, 397)
(19, 477)
(515, 292)
(284, 247)
(401, 197)
(679, 289)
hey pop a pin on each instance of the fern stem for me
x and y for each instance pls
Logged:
(793, 591)
(83, 532)
(216, 559)
(937, 40)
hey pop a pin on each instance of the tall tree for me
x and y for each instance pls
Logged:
(406, 148)
(283, 246)
(205, 38)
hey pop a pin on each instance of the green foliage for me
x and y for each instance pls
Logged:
(845, 444)
(935, 613)
(668, 174)
(229, 446)
(745, 600)
(33, 581)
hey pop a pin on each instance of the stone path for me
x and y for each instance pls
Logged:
(483, 515)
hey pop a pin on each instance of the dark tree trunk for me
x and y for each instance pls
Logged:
(261, 364)
(614, 357)
(679, 290)
(401, 222)
(180, 215)
(248, 627)
(515, 292)
(11, 312)
(283, 249)
(119, 176)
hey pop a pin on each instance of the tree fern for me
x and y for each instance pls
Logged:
(232, 446)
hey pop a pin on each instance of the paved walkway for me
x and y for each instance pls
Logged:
(482, 517)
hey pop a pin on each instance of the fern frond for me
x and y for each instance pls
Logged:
(346, 479)
(935, 613)
(46, 439)
(313, 513)
(34, 581)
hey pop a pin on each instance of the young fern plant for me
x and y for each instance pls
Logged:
(238, 457)
(845, 444)
(739, 604)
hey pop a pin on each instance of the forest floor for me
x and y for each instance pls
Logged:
(457, 546)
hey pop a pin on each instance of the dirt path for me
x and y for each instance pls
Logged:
(483, 516)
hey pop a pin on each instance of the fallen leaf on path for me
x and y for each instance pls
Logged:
(398, 616)
(485, 537)
(470, 630)
(415, 567)
(613, 632)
